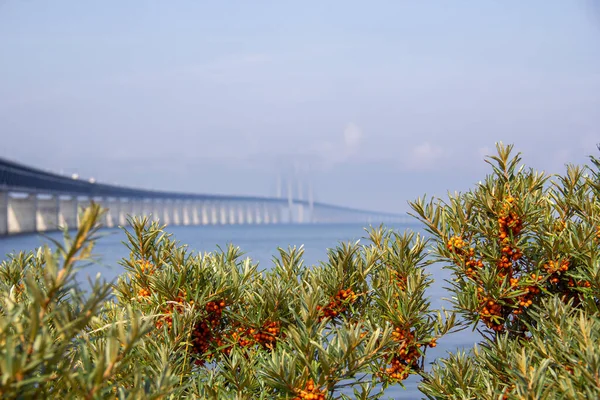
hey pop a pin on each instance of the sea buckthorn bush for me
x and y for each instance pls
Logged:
(180, 324)
(524, 254)
(354, 324)
(523, 249)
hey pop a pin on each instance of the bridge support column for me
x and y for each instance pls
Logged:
(274, 214)
(82, 203)
(157, 211)
(103, 203)
(137, 208)
(239, 213)
(301, 214)
(167, 212)
(249, 215)
(147, 207)
(113, 212)
(265, 213)
(46, 213)
(125, 210)
(196, 207)
(222, 212)
(186, 211)
(257, 214)
(205, 212)
(213, 213)
(3, 213)
(67, 212)
(231, 213)
(176, 212)
(22, 214)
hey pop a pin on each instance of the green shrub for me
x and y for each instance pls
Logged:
(523, 249)
(182, 324)
(524, 253)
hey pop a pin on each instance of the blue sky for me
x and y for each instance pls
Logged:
(376, 102)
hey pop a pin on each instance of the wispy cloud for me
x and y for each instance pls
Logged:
(333, 152)
(424, 157)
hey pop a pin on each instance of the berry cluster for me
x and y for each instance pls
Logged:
(509, 221)
(491, 312)
(573, 283)
(466, 256)
(206, 331)
(176, 305)
(399, 279)
(510, 226)
(555, 269)
(215, 311)
(526, 300)
(398, 370)
(310, 392)
(167, 321)
(405, 356)
(146, 267)
(243, 336)
(455, 244)
(471, 263)
(268, 335)
(338, 305)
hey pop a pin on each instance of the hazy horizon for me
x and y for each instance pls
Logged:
(376, 103)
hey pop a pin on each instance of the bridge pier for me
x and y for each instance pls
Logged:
(165, 216)
(3, 213)
(46, 213)
(207, 213)
(239, 208)
(186, 213)
(113, 212)
(276, 215)
(147, 206)
(176, 213)
(204, 212)
(300, 211)
(214, 211)
(231, 213)
(124, 211)
(257, 215)
(82, 203)
(67, 212)
(137, 208)
(103, 204)
(265, 212)
(249, 214)
(22, 213)
(222, 213)
(196, 211)
(157, 210)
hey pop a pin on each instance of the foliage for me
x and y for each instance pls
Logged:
(560, 360)
(524, 254)
(523, 249)
(47, 344)
(178, 324)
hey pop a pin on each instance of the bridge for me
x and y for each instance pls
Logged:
(32, 200)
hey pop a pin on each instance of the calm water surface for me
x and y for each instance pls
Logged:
(260, 242)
